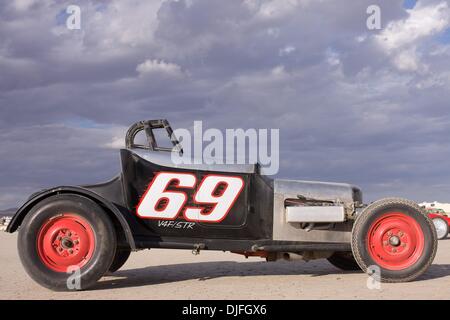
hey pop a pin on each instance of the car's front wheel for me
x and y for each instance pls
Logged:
(441, 227)
(395, 239)
(66, 242)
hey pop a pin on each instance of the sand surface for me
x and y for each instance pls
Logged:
(177, 274)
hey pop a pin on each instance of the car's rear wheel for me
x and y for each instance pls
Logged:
(441, 227)
(396, 236)
(122, 255)
(344, 261)
(66, 242)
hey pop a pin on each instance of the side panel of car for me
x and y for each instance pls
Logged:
(177, 203)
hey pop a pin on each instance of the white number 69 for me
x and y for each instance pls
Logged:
(217, 191)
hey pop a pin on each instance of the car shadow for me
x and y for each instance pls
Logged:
(436, 271)
(204, 271)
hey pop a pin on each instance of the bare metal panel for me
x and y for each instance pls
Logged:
(315, 214)
(290, 189)
(317, 190)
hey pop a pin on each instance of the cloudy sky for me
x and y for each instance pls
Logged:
(370, 107)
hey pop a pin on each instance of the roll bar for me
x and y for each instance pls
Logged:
(148, 126)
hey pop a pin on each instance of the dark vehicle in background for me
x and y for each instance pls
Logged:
(154, 203)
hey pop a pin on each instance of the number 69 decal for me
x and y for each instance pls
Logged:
(217, 191)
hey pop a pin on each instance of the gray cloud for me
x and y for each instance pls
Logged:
(350, 108)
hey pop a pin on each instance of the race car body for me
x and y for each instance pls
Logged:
(155, 203)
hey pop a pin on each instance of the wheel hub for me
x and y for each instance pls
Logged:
(65, 241)
(395, 241)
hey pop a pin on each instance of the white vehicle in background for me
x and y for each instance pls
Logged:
(439, 214)
(436, 205)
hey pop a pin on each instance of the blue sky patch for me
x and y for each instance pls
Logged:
(83, 123)
(409, 4)
(444, 37)
(61, 17)
(101, 7)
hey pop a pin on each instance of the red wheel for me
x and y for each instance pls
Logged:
(65, 241)
(395, 241)
(66, 235)
(396, 237)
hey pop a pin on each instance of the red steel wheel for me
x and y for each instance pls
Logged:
(395, 241)
(65, 241)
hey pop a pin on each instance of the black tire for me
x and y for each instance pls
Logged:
(394, 213)
(441, 227)
(344, 261)
(122, 255)
(102, 248)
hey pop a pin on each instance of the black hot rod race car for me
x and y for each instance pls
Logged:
(154, 203)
